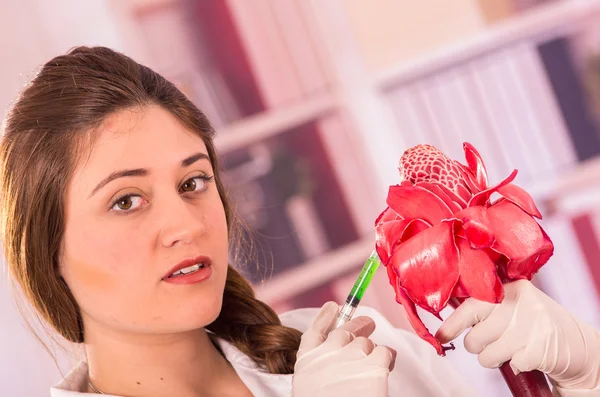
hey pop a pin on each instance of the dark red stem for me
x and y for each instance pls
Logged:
(526, 384)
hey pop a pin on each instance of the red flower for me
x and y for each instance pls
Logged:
(441, 236)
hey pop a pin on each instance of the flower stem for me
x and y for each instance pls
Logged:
(526, 384)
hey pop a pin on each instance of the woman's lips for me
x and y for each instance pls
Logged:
(191, 278)
(190, 271)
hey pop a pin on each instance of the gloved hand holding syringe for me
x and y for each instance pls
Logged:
(336, 356)
(358, 290)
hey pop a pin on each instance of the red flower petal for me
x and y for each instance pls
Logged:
(459, 292)
(393, 279)
(387, 215)
(482, 197)
(476, 227)
(437, 189)
(468, 178)
(455, 197)
(414, 202)
(383, 245)
(478, 277)
(476, 165)
(463, 192)
(520, 239)
(389, 234)
(521, 198)
(414, 227)
(415, 321)
(427, 266)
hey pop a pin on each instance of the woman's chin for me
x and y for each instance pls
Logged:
(195, 317)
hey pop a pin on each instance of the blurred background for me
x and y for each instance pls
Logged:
(314, 101)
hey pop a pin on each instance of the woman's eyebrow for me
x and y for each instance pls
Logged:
(117, 175)
(193, 158)
(143, 172)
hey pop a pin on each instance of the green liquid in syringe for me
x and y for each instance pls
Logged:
(364, 279)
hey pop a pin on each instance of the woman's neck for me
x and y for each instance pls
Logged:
(186, 364)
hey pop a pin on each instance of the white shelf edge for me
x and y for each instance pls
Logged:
(572, 191)
(316, 272)
(546, 21)
(272, 122)
(140, 5)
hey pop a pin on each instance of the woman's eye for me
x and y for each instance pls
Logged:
(127, 203)
(195, 184)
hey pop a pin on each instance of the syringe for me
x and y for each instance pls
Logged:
(357, 292)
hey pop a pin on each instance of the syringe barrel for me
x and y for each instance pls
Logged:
(346, 313)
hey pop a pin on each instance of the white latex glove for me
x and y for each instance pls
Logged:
(534, 333)
(341, 363)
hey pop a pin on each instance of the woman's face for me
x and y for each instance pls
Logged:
(143, 203)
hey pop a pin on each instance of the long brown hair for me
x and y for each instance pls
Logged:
(43, 133)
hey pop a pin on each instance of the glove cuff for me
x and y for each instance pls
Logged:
(588, 379)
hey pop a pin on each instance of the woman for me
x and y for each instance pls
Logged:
(116, 227)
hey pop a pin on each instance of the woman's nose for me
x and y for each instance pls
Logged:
(183, 224)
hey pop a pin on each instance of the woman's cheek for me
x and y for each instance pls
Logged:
(93, 263)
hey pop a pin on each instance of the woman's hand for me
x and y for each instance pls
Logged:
(534, 333)
(342, 362)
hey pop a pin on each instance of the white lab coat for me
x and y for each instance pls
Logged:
(419, 372)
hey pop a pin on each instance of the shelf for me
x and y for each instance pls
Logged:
(147, 4)
(144, 7)
(252, 129)
(572, 191)
(546, 22)
(316, 272)
(575, 178)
